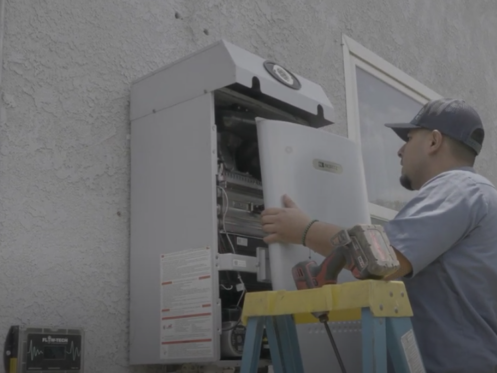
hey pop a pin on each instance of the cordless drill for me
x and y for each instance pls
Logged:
(364, 250)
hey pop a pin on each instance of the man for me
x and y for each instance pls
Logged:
(445, 238)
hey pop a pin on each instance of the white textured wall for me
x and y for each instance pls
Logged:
(67, 68)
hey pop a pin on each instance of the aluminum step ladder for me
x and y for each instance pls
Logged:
(383, 307)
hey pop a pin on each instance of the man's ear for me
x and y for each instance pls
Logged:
(436, 140)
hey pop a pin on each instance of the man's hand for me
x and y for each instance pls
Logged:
(284, 224)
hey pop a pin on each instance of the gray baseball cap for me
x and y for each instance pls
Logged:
(452, 117)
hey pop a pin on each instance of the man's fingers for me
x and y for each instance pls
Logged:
(272, 238)
(288, 202)
(268, 219)
(269, 228)
(271, 211)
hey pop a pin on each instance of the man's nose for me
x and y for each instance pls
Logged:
(401, 151)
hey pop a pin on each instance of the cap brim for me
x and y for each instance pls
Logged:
(401, 129)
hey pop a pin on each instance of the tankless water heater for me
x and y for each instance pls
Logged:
(202, 170)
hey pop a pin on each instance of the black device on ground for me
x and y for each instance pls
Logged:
(43, 349)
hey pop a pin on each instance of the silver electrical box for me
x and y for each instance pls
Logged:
(196, 196)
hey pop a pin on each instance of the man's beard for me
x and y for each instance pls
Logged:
(406, 182)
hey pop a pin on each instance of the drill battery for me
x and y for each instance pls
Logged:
(367, 251)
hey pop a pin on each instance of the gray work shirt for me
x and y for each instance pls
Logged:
(448, 232)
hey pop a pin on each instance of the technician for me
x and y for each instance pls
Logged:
(445, 238)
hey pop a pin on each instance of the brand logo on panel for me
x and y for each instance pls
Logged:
(284, 76)
(323, 165)
(50, 339)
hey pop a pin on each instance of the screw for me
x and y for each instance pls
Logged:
(391, 294)
(396, 310)
(381, 306)
(402, 294)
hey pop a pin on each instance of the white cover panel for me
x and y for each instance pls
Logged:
(287, 152)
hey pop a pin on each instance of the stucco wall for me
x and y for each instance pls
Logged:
(64, 151)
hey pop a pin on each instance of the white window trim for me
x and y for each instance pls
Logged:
(354, 55)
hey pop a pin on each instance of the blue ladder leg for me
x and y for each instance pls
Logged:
(252, 345)
(289, 343)
(374, 343)
(274, 345)
(403, 347)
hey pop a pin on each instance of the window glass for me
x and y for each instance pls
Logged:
(380, 103)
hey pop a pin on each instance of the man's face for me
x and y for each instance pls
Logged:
(412, 158)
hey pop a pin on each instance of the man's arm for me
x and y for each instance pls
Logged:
(443, 212)
(319, 236)
(405, 267)
(288, 224)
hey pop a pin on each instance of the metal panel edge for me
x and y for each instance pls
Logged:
(191, 76)
(175, 173)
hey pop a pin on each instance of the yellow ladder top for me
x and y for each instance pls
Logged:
(342, 301)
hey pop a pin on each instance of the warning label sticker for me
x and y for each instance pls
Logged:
(186, 309)
(411, 352)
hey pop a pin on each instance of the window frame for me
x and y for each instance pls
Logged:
(356, 55)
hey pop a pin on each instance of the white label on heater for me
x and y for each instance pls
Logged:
(239, 263)
(242, 241)
(186, 304)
